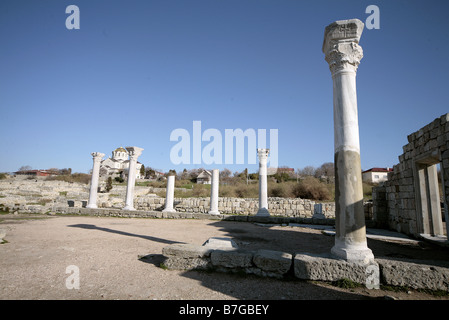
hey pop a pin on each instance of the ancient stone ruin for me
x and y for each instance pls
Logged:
(409, 201)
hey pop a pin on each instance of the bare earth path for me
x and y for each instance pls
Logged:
(119, 258)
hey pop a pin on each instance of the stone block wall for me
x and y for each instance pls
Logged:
(397, 202)
(297, 207)
(41, 196)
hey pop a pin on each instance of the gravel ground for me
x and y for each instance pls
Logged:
(119, 258)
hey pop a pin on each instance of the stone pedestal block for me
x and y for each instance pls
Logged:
(326, 268)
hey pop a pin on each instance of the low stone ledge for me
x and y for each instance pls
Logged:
(273, 261)
(266, 263)
(175, 263)
(220, 242)
(233, 258)
(186, 257)
(186, 250)
(325, 268)
(418, 275)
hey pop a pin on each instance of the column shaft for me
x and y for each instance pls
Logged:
(92, 203)
(214, 192)
(343, 55)
(134, 153)
(169, 197)
(263, 197)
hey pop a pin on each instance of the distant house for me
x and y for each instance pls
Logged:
(158, 174)
(280, 170)
(205, 177)
(376, 175)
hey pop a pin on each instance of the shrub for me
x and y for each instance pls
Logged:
(311, 188)
(108, 184)
(201, 190)
(246, 191)
(367, 190)
(119, 179)
(282, 190)
(226, 191)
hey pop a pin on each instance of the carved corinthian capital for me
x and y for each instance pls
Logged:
(134, 152)
(263, 153)
(97, 156)
(341, 45)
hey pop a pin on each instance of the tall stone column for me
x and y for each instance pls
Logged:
(343, 54)
(92, 203)
(134, 153)
(214, 192)
(169, 196)
(263, 198)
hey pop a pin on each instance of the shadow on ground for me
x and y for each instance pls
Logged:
(299, 240)
(123, 233)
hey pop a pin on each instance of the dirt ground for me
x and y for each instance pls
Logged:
(119, 258)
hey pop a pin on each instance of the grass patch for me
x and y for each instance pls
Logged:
(346, 284)
(143, 183)
(41, 202)
(163, 266)
(63, 193)
(76, 177)
(435, 293)
(393, 288)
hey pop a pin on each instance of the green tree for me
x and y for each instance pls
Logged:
(281, 177)
(150, 173)
(109, 184)
(142, 171)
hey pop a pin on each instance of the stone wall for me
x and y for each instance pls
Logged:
(407, 201)
(41, 196)
(277, 206)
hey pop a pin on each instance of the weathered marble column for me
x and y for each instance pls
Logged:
(343, 54)
(134, 153)
(263, 198)
(92, 203)
(214, 192)
(169, 197)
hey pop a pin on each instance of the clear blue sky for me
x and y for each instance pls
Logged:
(137, 70)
